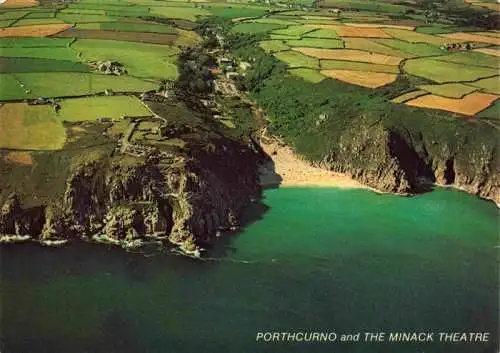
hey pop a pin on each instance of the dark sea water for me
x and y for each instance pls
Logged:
(325, 260)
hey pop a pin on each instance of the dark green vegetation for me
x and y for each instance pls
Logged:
(491, 115)
(361, 132)
(255, 27)
(237, 11)
(15, 64)
(136, 27)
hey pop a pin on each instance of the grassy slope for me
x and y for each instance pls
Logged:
(95, 107)
(59, 53)
(295, 59)
(140, 59)
(441, 71)
(61, 84)
(16, 64)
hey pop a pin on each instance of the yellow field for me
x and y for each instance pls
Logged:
(9, 4)
(489, 34)
(361, 78)
(27, 127)
(489, 51)
(488, 5)
(350, 55)
(380, 25)
(19, 157)
(468, 105)
(472, 37)
(34, 30)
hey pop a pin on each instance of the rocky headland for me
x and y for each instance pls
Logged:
(182, 189)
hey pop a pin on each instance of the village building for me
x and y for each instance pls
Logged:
(244, 65)
(231, 75)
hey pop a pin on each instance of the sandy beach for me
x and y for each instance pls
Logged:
(295, 171)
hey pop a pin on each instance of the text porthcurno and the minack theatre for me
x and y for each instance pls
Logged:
(374, 337)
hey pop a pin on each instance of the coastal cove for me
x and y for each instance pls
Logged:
(324, 259)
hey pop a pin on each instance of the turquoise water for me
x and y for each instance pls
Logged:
(331, 260)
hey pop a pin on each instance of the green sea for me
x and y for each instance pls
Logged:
(310, 260)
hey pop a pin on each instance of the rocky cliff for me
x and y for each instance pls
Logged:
(179, 196)
(393, 160)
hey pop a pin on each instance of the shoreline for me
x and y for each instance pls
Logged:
(288, 169)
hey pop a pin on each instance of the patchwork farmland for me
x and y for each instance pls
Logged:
(83, 61)
(448, 62)
(91, 59)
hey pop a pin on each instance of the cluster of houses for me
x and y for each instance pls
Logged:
(229, 67)
(456, 46)
(108, 67)
(46, 101)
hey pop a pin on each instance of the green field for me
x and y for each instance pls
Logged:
(294, 60)
(294, 31)
(185, 13)
(234, 11)
(375, 47)
(316, 43)
(10, 88)
(61, 84)
(136, 27)
(437, 29)
(307, 74)
(489, 85)
(272, 20)
(80, 18)
(450, 90)
(442, 72)
(40, 14)
(254, 28)
(82, 12)
(408, 96)
(92, 108)
(322, 33)
(472, 58)
(16, 64)
(271, 46)
(6, 23)
(34, 42)
(357, 66)
(37, 21)
(493, 112)
(12, 15)
(140, 59)
(415, 37)
(283, 37)
(59, 53)
(413, 49)
(375, 6)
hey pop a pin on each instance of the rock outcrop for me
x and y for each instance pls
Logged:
(391, 160)
(183, 200)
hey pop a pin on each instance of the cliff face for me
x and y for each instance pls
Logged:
(183, 198)
(392, 160)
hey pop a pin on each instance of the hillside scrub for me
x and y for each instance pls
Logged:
(337, 125)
